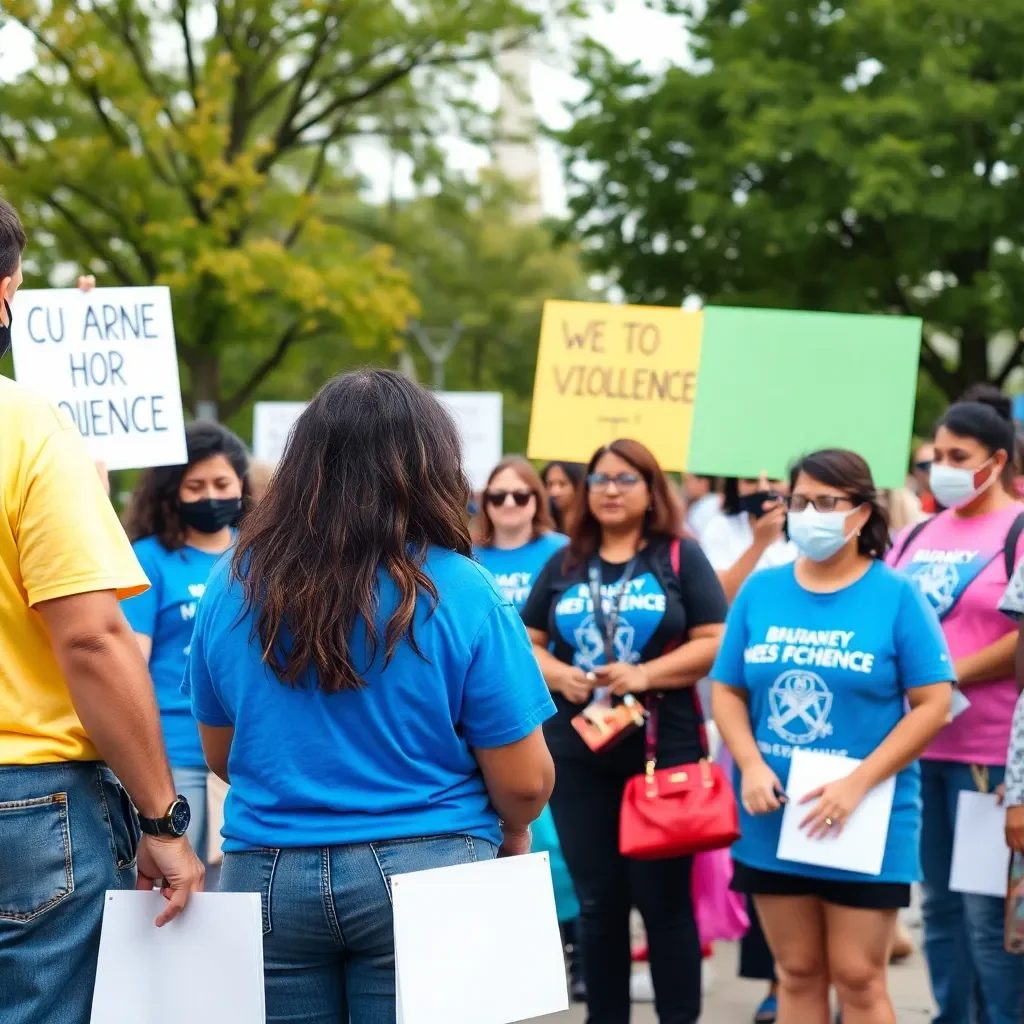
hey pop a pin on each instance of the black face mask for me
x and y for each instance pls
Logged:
(753, 504)
(5, 332)
(210, 515)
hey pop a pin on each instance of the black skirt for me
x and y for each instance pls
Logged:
(858, 895)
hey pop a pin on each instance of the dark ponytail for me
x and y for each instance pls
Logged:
(985, 415)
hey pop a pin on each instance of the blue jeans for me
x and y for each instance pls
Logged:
(328, 929)
(191, 784)
(68, 832)
(963, 933)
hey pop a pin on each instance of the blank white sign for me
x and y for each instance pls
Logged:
(981, 858)
(861, 845)
(478, 942)
(205, 967)
(272, 424)
(477, 414)
(107, 358)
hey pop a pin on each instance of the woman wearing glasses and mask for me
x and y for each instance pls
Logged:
(825, 655)
(961, 560)
(614, 618)
(514, 533)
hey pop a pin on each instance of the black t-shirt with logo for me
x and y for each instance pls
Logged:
(656, 613)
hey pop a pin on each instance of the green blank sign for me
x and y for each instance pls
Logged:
(776, 384)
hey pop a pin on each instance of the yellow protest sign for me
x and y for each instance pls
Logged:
(606, 371)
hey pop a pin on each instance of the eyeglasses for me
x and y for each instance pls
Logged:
(623, 481)
(823, 502)
(923, 467)
(498, 498)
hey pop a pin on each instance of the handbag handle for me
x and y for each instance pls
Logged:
(651, 727)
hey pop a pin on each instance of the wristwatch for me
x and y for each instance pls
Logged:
(174, 823)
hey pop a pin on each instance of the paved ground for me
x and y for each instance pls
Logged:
(730, 1000)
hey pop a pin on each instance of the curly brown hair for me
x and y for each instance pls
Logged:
(153, 508)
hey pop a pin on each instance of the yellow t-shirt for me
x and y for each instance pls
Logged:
(59, 536)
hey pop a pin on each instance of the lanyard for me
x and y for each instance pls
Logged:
(607, 626)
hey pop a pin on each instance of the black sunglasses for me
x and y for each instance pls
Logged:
(498, 498)
(923, 467)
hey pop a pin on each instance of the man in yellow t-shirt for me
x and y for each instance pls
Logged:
(77, 712)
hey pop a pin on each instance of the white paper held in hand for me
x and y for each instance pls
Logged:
(478, 942)
(981, 858)
(860, 846)
(204, 967)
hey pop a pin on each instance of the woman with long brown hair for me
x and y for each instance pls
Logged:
(366, 689)
(614, 619)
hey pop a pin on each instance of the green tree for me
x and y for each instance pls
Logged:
(192, 143)
(481, 275)
(857, 157)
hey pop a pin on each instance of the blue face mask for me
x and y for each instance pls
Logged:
(818, 535)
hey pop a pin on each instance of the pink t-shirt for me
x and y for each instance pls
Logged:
(959, 566)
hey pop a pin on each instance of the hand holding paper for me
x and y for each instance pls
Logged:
(860, 846)
(836, 801)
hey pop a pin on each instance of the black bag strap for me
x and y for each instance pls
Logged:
(911, 534)
(1010, 545)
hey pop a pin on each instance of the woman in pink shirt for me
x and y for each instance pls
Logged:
(961, 560)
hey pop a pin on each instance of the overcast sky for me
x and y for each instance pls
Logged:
(632, 32)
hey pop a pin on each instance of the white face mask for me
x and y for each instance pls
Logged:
(818, 535)
(954, 487)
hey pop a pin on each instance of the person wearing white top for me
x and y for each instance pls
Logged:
(703, 502)
(748, 533)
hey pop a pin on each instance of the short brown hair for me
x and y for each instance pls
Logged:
(12, 240)
(663, 522)
(483, 528)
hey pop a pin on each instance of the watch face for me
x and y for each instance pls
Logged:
(181, 815)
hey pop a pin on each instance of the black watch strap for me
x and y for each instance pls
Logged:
(174, 823)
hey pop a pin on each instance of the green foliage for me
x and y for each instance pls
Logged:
(471, 262)
(863, 157)
(196, 143)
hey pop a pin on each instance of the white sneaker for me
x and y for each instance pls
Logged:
(641, 988)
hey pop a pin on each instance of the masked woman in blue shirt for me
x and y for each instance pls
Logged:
(180, 520)
(366, 689)
(824, 655)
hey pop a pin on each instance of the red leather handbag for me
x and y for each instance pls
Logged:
(676, 812)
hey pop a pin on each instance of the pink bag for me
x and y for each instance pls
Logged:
(721, 913)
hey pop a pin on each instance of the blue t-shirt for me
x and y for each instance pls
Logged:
(166, 614)
(515, 569)
(829, 672)
(390, 761)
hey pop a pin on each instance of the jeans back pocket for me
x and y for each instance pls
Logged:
(35, 856)
(122, 819)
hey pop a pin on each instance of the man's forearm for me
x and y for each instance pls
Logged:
(113, 696)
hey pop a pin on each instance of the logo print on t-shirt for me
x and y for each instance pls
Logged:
(800, 703)
(640, 613)
(937, 581)
(591, 647)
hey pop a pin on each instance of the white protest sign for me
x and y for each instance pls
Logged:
(107, 359)
(272, 422)
(478, 417)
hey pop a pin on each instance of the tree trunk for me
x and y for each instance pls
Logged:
(204, 366)
(973, 364)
